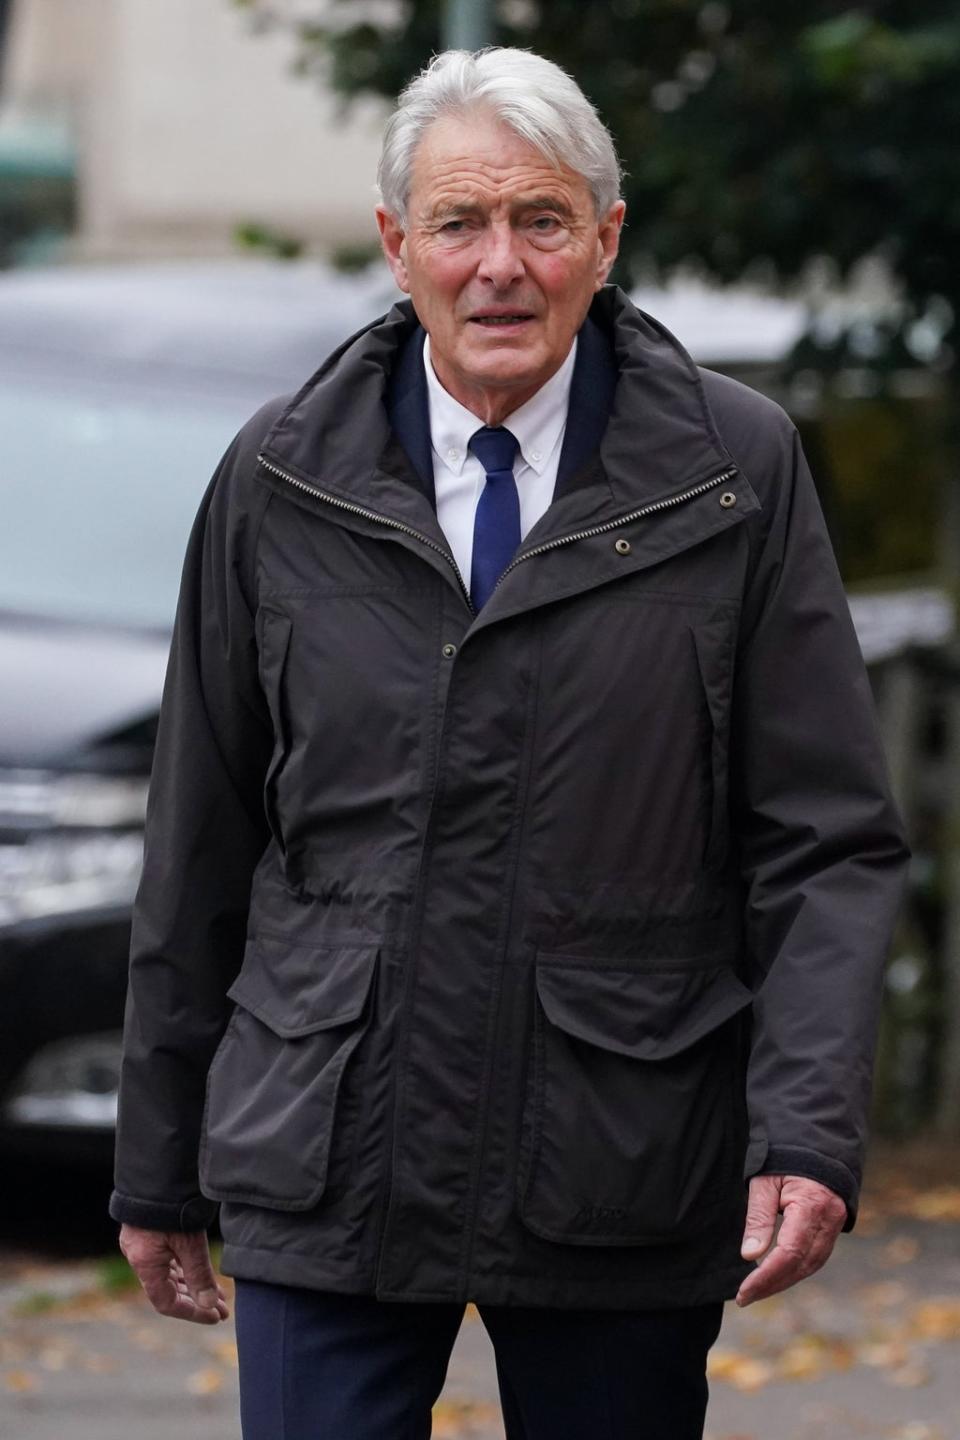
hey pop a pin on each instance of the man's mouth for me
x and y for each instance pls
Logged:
(502, 321)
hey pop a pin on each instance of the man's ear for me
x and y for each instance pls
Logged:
(394, 242)
(608, 241)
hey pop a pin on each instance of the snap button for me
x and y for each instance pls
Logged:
(727, 499)
(449, 651)
(622, 547)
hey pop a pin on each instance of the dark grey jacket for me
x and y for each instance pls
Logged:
(484, 956)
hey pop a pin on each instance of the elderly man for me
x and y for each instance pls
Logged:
(520, 861)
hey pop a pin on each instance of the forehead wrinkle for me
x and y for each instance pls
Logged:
(455, 190)
(470, 174)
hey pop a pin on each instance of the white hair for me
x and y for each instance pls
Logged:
(533, 97)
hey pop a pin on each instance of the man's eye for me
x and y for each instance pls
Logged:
(546, 223)
(453, 227)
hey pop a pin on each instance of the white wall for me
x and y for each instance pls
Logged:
(188, 123)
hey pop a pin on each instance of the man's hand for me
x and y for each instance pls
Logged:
(176, 1272)
(813, 1216)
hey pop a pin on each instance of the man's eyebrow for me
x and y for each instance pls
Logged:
(452, 209)
(543, 202)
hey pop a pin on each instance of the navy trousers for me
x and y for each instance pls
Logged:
(319, 1366)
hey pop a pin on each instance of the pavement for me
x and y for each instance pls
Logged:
(868, 1349)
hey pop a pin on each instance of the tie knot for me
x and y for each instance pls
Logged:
(495, 447)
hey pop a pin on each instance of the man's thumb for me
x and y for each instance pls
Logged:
(763, 1206)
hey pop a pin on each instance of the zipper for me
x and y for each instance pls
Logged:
(653, 508)
(371, 515)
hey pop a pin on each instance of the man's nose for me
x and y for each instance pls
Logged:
(500, 259)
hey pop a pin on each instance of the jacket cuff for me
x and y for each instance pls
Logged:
(790, 1160)
(197, 1213)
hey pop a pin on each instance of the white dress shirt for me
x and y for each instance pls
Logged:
(459, 477)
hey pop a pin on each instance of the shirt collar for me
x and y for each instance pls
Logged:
(538, 424)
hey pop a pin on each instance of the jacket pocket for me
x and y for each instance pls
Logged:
(713, 643)
(274, 645)
(274, 1103)
(633, 1118)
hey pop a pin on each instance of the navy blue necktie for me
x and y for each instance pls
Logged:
(496, 525)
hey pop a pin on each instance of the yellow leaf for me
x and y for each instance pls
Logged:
(941, 1203)
(882, 1354)
(937, 1319)
(742, 1371)
(803, 1360)
(226, 1352)
(205, 1382)
(21, 1382)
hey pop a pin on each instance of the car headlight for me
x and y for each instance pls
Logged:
(68, 843)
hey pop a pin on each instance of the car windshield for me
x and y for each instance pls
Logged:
(100, 484)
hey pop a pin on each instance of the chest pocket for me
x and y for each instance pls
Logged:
(634, 1123)
(348, 682)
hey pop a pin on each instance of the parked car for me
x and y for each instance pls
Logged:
(119, 390)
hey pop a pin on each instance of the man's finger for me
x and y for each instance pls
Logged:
(803, 1246)
(175, 1272)
(778, 1271)
(763, 1206)
(196, 1270)
(784, 1265)
(167, 1298)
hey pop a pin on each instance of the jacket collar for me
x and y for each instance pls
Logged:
(637, 392)
(658, 438)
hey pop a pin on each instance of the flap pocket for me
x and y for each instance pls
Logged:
(297, 989)
(280, 1106)
(648, 1014)
(634, 1118)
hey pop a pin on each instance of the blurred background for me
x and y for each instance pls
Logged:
(186, 228)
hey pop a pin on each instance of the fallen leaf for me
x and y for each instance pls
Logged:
(225, 1351)
(21, 1382)
(937, 1319)
(901, 1251)
(146, 1339)
(100, 1364)
(803, 1359)
(744, 1372)
(910, 1375)
(882, 1354)
(460, 1419)
(940, 1203)
(884, 1295)
(54, 1357)
(205, 1382)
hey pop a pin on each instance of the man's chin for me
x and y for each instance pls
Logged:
(509, 366)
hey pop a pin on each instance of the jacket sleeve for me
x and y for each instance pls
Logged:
(205, 831)
(821, 848)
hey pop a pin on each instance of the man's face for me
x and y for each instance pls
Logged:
(501, 256)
